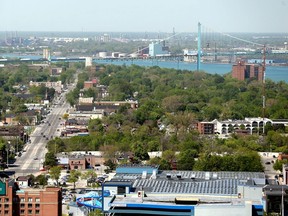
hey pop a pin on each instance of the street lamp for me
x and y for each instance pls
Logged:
(8, 152)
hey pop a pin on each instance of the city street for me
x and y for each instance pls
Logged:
(34, 152)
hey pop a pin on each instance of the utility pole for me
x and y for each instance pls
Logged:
(263, 87)
(282, 202)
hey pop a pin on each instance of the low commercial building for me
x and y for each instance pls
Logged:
(84, 161)
(55, 85)
(145, 190)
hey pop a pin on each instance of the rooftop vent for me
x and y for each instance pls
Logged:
(144, 174)
(168, 176)
(178, 176)
(214, 176)
(154, 174)
(207, 175)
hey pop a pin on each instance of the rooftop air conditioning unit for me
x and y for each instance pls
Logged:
(168, 176)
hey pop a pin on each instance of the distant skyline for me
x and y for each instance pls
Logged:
(144, 16)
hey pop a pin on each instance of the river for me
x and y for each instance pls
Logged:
(275, 73)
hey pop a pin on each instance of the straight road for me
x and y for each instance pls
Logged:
(34, 152)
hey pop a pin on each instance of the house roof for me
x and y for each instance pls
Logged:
(22, 178)
(10, 115)
(30, 113)
(24, 96)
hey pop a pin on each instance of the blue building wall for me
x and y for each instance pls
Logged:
(136, 170)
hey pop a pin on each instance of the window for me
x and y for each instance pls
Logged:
(22, 199)
(37, 199)
(22, 205)
(6, 199)
(30, 205)
(30, 199)
(37, 205)
(37, 211)
(6, 212)
(22, 211)
(6, 206)
(29, 211)
(121, 190)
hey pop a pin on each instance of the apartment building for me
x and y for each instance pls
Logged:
(32, 202)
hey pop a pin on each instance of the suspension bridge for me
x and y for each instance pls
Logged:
(207, 45)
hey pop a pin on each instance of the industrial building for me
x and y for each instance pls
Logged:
(158, 49)
(145, 190)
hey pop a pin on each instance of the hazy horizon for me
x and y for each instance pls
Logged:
(257, 16)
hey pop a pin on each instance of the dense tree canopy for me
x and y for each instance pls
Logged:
(170, 102)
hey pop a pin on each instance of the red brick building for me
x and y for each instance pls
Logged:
(88, 84)
(242, 71)
(32, 202)
(205, 128)
(82, 162)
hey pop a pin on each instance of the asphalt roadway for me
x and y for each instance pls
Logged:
(34, 152)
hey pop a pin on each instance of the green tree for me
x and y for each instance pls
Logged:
(41, 179)
(65, 116)
(278, 165)
(55, 173)
(96, 212)
(110, 165)
(185, 159)
(89, 175)
(50, 160)
(169, 155)
(74, 177)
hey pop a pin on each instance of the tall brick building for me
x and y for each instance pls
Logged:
(242, 71)
(32, 202)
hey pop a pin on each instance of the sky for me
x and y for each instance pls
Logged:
(144, 16)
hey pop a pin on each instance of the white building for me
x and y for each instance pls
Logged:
(88, 61)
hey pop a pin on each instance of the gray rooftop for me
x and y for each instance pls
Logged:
(194, 182)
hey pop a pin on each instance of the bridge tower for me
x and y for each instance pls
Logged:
(199, 47)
